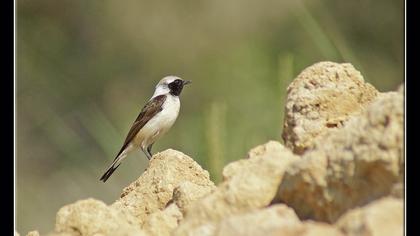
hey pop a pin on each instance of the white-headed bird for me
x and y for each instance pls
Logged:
(154, 120)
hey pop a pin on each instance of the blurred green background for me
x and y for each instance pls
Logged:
(86, 68)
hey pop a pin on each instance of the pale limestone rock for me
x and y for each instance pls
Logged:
(382, 217)
(312, 228)
(187, 193)
(351, 166)
(91, 217)
(249, 184)
(397, 190)
(321, 98)
(154, 188)
(278, 219)
(64, 234)
(33, 233)
(275, 220)
(163, 222)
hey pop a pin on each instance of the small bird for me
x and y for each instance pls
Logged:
(154, 120)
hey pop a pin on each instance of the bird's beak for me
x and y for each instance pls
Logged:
(185, 82)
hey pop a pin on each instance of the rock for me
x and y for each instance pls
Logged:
(275, 220)
(278, 219)
(249, 184)
(312, 228)
(350, 166)
(154, 188)
(323, 97)
(187, 193)
(65, 234)
(163, 222)
(16, 233)
(33, 233)
(397, 190)
(382, 217)
(143, 204)
(92, 217)
(343, 174)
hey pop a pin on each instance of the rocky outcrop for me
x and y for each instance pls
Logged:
(269, 221)
(382, 217)
(350, 166)
(144, 207)
(93, 217)
(187, 193)
(248, 184)
(323, 97)
(340, 173)
(154, 189)
(163, 222)
(274, 220)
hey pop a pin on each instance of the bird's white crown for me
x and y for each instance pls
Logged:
(167, 80)
(162, 86)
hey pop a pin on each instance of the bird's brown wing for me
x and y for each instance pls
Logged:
(149, 110)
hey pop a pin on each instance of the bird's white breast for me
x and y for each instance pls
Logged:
(160, 123)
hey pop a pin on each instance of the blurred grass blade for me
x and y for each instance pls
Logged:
(339, 40)
(317, 34)
(285, 77)
(101, 129)
(215, 136)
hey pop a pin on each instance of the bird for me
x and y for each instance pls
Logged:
(155, 119)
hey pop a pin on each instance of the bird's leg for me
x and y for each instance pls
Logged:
(149, 150)
(147, 153)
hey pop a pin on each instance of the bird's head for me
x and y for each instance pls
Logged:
(170, 84)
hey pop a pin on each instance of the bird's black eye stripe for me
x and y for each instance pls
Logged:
(176, 87)
(177, 82)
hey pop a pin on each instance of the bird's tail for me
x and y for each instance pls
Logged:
(112, 168)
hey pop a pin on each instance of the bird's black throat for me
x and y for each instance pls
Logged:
(176, 87)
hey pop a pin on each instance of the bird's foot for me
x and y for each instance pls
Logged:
(147, 153)
(150, 155)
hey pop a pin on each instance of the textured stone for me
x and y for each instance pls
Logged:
(66, 234)
(249, 184)
(187, 193)
(351, 166)
(33, 233)
(382, 217)
(153, 190)
(163, 222)
(91, 217)
(275, 220)
(323, 97)
(278, 219)
(397, 190)
(319, 229)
